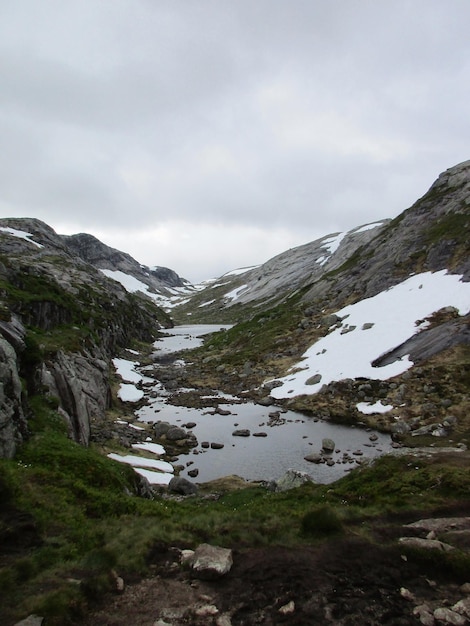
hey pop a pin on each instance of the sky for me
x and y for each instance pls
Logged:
(206, 135)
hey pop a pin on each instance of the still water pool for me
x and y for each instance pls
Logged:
(257, 458)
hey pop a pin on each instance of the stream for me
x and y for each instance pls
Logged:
(263, 457)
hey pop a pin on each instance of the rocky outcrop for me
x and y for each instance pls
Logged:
(81, 384)
(61, 321)
(12, 417)
(101, 256)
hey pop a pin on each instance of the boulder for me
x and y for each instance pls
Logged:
(426, 544)
(313, 380)
(181, 485)
(314, 458)
(328, 445)
(211, 562)
(175, 433)
(242, 432)
(292, 479)
(161, 428)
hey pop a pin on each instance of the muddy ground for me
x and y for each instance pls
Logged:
(345, 582)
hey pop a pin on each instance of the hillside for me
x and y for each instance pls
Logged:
(61, 321)
(383, 321)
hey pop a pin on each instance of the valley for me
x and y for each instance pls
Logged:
(345, 360)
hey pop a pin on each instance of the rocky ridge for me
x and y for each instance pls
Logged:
(61, 320)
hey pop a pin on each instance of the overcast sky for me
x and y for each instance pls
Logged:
(206, 135)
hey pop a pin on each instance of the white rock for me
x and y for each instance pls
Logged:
(450, 617)
(288, 608)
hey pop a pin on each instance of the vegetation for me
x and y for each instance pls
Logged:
(69, 514)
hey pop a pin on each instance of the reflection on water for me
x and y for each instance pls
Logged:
(258, 458)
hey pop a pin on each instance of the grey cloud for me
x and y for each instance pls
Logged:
(308, 116)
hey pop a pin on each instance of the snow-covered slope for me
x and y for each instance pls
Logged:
(372, 327)
(161, 284)
(279, 277)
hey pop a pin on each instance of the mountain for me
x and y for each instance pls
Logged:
(61, 320)
(237, 294)
(335, 327)
(431, 235)
(159, 283)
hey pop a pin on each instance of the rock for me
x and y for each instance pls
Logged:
(426, 544)
(216, 446)
(313, 458)
(31, 620)
(193, 473)
(186, 557)
(288, 608)
(12, 418)
(211, 562)
(223, 620)
(220, 411)
(242, 432)
(260, 434)
(161, 428)
(448, 616)
(267, 400)
(206, 610)
(205, 444)
(400, 428)
(313, 380)
(292, 479)
(425, 615)
(175, 433)
(181, 485)
(441, 524)
(462, 607)
(406, 593)
(328, 445)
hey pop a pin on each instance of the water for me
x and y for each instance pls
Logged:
(257, 458)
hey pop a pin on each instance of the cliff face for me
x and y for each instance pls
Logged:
(61, 320)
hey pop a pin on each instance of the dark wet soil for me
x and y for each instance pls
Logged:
(345, 582)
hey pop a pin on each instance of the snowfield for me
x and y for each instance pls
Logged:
(373, 327)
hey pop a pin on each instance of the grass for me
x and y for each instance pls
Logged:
(86, 521)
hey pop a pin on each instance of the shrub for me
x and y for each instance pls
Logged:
(321, 522)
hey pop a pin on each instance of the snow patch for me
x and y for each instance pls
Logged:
(368, 409)
(20, 234)
(345, 354)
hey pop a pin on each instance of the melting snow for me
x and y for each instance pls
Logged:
(130, 393)
(140, 461)
(155, 448)
(125, 369)
(362, 229)
(233, 295)
(21, 234)
(377, 407)
(155, 478)
(348, 351)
